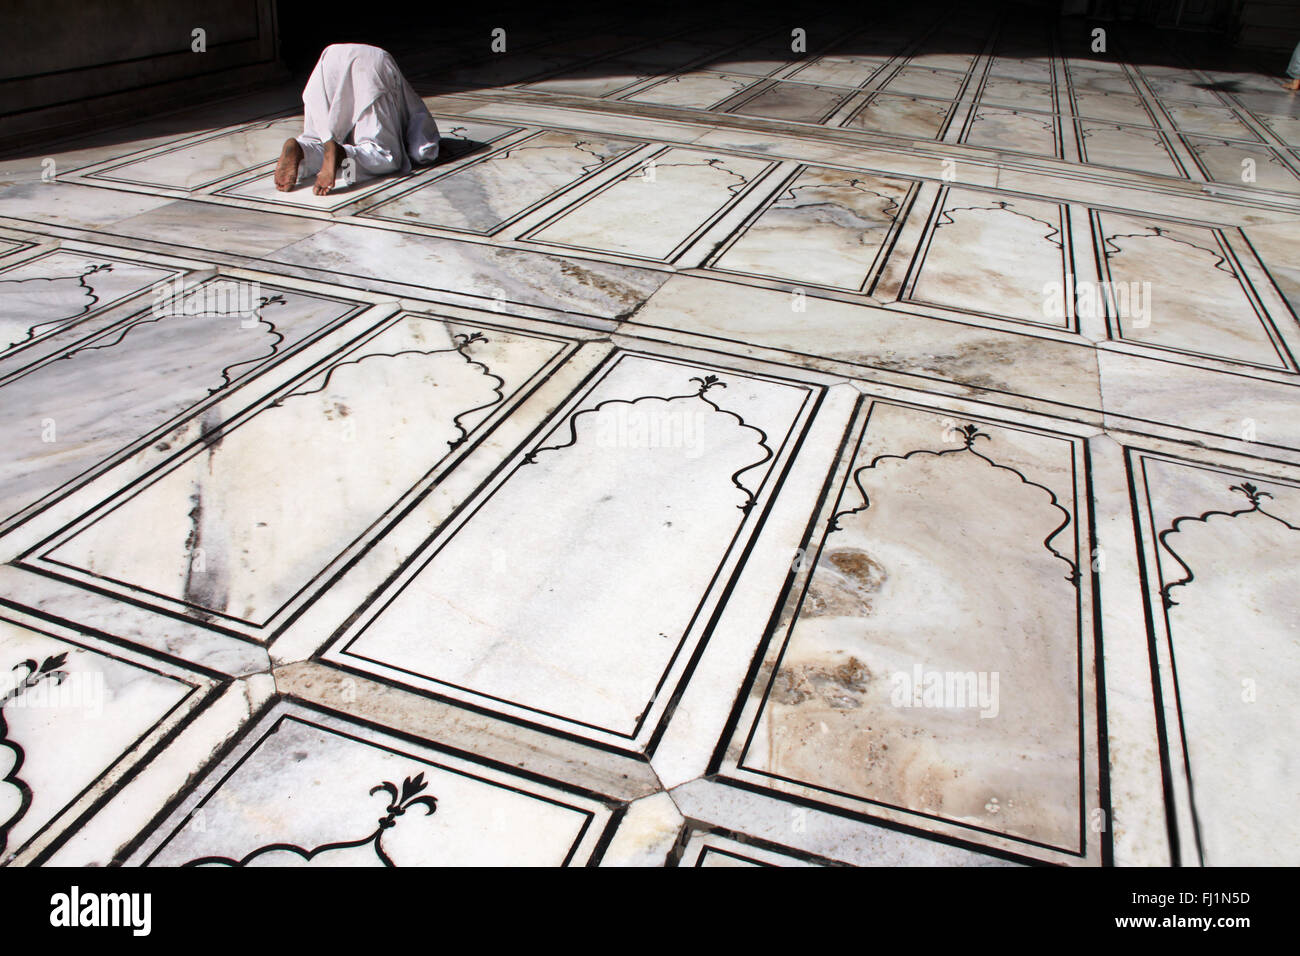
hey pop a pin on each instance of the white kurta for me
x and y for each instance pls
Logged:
(358, 97)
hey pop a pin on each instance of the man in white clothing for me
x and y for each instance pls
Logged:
(357, 106)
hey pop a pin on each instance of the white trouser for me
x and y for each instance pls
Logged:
(376, 141)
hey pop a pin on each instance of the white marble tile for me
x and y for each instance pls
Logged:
(694, 90)
(654, 210)
(839, 70)
(1021, 94)
(485, 194)
(923, 81)
(902, 116)
(976, 712)
(1199, 301)
(1222, 548)
(965, 260)
(597, 483)
(1243, 164)
(1129, 147)
(65, 416)
(1012, 130)
(41, 296)
(69, 712)
(304, 788)
(235, 531)
(490, 274)
(206, 161)
(1118, 107)
(796, 102)
(825, 227)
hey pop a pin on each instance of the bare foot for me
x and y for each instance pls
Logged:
(329, 169)
(1294, 84)
(286, 170)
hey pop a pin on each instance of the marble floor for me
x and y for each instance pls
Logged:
(879, 452)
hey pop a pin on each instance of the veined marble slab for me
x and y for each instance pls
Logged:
(1222, 123)
(1022, 94)
(655, 210)
(798, 102)
(613, 528)
(486, 194)
(1222, 551)
(198, 164)
(1101, 81)
(694, 90)
(305, 788)
(241, 528)
(1228, 162)
(68, 714)
(1119, 107)
(826, 227)
(924, 81)
(1200, 302)
(41, 296)
(850, 71)
(902, 116)
(1128, 147)
(897, 684)
(1002, 257)
(1013, 130)
(1170, 89)
(62, 418)
(490, 273)
(1036, 69)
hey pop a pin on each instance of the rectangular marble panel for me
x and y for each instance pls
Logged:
(306, 788)
(210, 160)
(60, 419)
(486, 194)
(1021, 94)
(655, 210)
(825, 227)
(798, 102)
(1200, 302)
(912, 116)
(992, 255)
(923, 81)
(1222, 123)
(50, 293)
(850, 71)
(1221, 555)
(693, 90)
(574, 588)
(901, 683)
(69, 713)
(241, 530)
(1128, 147)
(1243, 164)
(1014, 131)
(1118, 107)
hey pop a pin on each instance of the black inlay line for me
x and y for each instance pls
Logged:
(1254, 495)
(90, 309)
(50, 497)
(268, 724)
(49, 669)
(464, 515)
(783, 603)
(203, 616)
